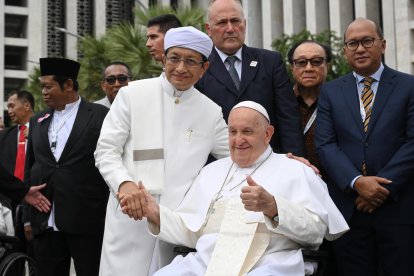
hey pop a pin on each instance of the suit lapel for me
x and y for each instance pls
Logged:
(350, 96)
(219, 71)
(249, 68)
(81, 121)
(44, 130)
(385, 89)
(13, 145)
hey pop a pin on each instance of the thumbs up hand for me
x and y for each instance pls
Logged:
(256, 198)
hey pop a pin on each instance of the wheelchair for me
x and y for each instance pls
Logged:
(13, 262)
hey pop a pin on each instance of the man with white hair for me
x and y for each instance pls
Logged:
(254, 210)
(159, 131)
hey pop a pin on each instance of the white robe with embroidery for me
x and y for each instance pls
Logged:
(306, 215)
(191, 130)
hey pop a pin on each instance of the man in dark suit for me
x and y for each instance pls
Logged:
(365, 142)
(249, 74)
(20, 105)
(62, 140)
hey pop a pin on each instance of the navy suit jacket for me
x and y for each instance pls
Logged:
(74, 184)
(387, 147)
(264, 80)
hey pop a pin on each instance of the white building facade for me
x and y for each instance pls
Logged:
(32, 29)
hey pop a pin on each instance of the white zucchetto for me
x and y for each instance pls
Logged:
(253, 105)
(189, 38)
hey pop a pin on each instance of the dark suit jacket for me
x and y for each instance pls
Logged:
(11, 186)
(74, 184)
(387, 147)
(8, 148)
(266, 83)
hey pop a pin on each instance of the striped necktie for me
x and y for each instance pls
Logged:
(366, 97)
(233, 72)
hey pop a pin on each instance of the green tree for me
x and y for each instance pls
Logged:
(339, 66)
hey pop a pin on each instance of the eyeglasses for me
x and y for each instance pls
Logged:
(367, 42)
(189, 62)
(122, 79)
(303, 62)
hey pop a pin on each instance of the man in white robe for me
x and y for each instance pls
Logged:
(250, 213)
(159, 131)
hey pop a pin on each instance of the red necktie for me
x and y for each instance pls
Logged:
(21, 154)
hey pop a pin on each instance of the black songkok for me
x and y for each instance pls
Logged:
(59, 67)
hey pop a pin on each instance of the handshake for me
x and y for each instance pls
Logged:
(137, 202)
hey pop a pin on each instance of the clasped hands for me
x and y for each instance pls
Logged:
(371, 194)
(137, 202)
(132, 199)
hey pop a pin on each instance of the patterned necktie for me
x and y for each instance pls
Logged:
(366, 96)
(233, 72)
(21, 154)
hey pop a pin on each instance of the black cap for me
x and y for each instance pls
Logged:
(59, 67)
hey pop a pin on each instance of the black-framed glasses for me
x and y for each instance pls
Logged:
(189, 62)
(303, 62)
(122, 79)
(366, 42)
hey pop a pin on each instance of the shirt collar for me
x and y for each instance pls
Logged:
(223, 56)
(376, 75)
(172, 91)
(70, 106)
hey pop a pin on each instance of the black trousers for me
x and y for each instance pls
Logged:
(371, 248)
(53, 251)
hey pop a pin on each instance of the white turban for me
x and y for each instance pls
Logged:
(253, 105)
(189, 38)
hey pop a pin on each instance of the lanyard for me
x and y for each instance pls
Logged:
(55, 130)
(310, 122)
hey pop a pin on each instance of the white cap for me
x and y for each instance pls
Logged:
(253, 105)
(189, 38)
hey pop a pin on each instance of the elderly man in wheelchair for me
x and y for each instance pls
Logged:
(249, 214)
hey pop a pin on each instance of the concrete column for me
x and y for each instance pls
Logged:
(317, 19)
(368, 9)
(272, 15)
(36, 32)
(389, 34)
(202, 4)
(164, 2)
(99, 17)
(184, 3)
(253, 14)
(404, 36)
(71, 41)
(294, 16)
(340, 15)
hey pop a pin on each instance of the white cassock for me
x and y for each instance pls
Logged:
(192, 128)
(306, 215)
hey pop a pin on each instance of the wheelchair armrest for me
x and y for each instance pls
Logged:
(318, 256)
(183, 250)
(9, 239)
